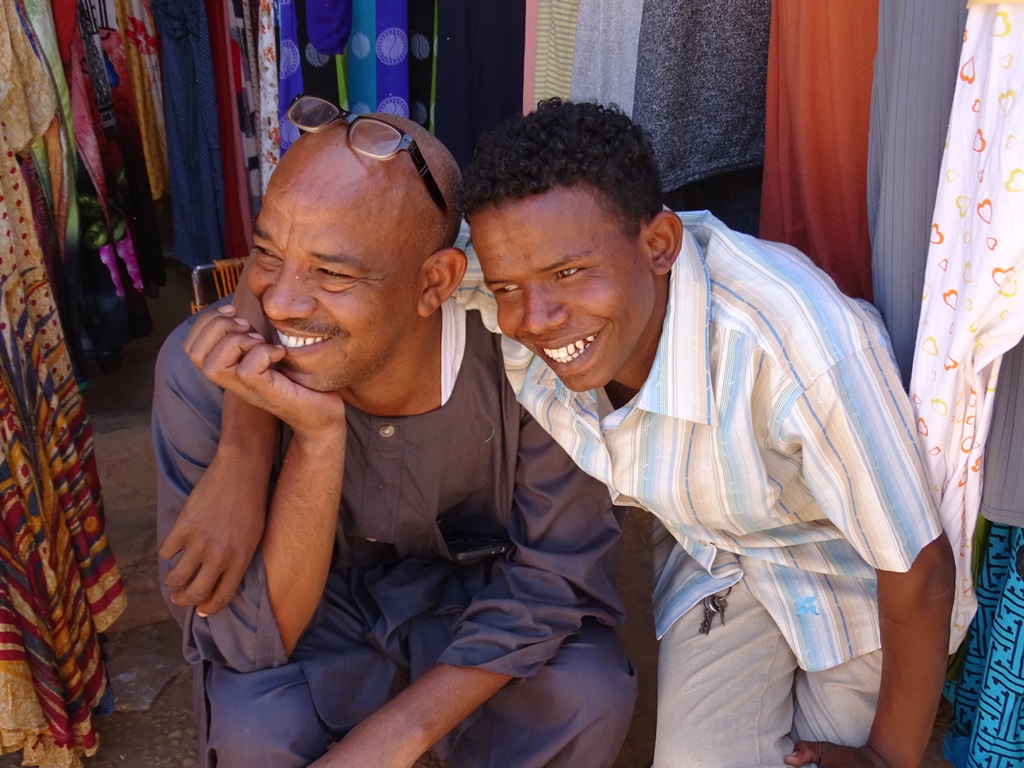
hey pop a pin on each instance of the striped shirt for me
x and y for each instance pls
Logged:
(772, 440)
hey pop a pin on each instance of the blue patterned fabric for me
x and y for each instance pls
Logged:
(987, 730)
(378, 56)
(289, 78)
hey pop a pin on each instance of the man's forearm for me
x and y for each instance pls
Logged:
(914, 609)
(300, 532)
(407, 726)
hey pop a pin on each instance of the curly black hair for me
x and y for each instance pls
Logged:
(567, 144)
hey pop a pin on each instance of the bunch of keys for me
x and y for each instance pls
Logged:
(713, 604)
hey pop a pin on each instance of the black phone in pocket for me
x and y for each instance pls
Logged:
(473, 547)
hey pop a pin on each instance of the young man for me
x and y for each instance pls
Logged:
(433, 568)
(723, 383)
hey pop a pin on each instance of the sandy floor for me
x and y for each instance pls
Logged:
(153, 726)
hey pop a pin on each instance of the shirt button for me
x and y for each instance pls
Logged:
(386, 431)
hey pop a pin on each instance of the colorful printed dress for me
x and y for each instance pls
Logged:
(59, 586)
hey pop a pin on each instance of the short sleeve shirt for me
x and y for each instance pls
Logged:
(772, 440)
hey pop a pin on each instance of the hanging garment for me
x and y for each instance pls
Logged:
(61, 152)
(227, 85)
(972, 310)
(246, 99)
(479, 70)
(142, 55)
(193, 145)
(422, 39)
(1002, 493)
(268, 132)
(289, 73)
(114, 201)
(700, 86)
(60, 586)
(378, 54)
(310, 55)
(816, 135)
(124, 157)
(987, 726)
(530, 56)
(551, 70)
(606, 41)
(63, 165)
(988, 704)
(914, 76)
(323, 29)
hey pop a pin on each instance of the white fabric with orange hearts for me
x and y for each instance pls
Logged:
(973, 309)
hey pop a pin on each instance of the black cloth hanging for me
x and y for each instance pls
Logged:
(480, 50)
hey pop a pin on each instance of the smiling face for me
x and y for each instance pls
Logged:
(337, 267)
(576, 288)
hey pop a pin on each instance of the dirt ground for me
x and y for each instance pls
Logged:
(153, 725)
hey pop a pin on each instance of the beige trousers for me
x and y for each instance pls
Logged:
(735, 698)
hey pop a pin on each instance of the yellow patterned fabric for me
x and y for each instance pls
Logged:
(138, 37)
(60, 586)
(27, 100)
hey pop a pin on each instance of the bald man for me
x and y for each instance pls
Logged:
(433, 569)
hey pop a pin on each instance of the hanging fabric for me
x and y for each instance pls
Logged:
(309, 52)
(105, 264)
(61, 155)
(700, 79)
(972, 310)
(268, 134)
(479, 70)
(530, 56)
(816, 135)
(142, 54)
(421, 61)
(245, 92)
(124, 159)
(912, 91)
(551, 71)
(323, 29)
(238, 212)
(987, 725)
(378, 54)
(289, 77)
(603, 50)
(193, 144)
(61, 586)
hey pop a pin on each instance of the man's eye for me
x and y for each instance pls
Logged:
(506, 288)
(568, 272)
(266, 259)
(334, 275)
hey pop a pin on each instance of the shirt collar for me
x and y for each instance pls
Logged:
(679, 384)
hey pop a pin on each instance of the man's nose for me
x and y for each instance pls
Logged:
(288, 296)
(542, 312)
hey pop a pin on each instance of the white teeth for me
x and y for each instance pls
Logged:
(570, 351)
(293, 342)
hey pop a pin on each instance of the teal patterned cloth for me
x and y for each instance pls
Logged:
(987, 730)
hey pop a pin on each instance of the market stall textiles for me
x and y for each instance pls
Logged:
(59, 586)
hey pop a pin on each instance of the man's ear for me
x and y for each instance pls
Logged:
(441, 274)
(663, 236)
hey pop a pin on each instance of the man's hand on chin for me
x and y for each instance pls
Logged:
(239, 360)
